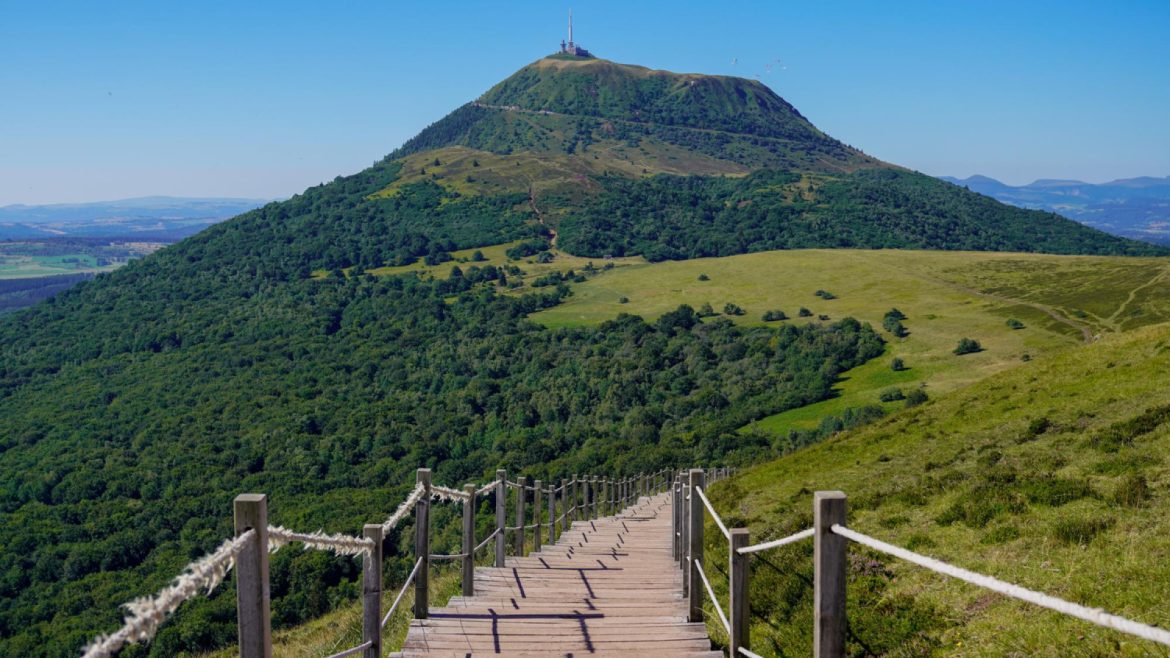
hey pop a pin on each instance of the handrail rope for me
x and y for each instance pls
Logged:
(401, 592)
(355, 650)
(486, 540)
(486, 488)
(340, 544)
(147, 613)
(749, 654)
(718, 521)
(756, 548)
(403, 509)
(711, 593)
(454, 556)
(446, 492)
(1091, 615)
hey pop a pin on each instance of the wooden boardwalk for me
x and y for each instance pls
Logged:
(607, 588)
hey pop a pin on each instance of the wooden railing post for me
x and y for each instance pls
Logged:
(501, 514)
(576, 500)
(565, 504)
(552, 514)
(695, 547)
(537, 490)
(469, 540)
(253, 609)
(674, 509)
(683, 526)
(521, 500)
(609, 496)
(595, 489)
(829, 561)
(737, 578)
(372, 592)
(422, 544)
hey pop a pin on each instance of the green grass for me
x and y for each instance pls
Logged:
(25, 267)
(945, 295)
(1002, 477)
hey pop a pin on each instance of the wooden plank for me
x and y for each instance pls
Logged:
(607, 587)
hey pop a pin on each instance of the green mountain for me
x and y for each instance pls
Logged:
(263, 354)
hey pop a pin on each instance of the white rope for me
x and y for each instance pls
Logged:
(445, 493)
(1091, 615)
(718, 521)
(148, 613)
(486, 540)
(279, 537)
(358, 649)
(486, 488)
(403, 509)
(790, 539)
(749, 654)
(409, 580)
(711, 593)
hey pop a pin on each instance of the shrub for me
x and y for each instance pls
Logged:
(1035, 428)
(823, 318)
(825, 294)
(624, 300)
(1124, 432)
(1133, 491)
(1054, 491)
(895, 314)
(1015, 324)
(774, 316)
(967, 346)
(705, 311)
(1080, 531)
(478, 257)
(704, 277)
(915, 397)
(1000, 535)
(892, 395)
(897, 365)
(526, 249)
(732, 309)
(804, 312)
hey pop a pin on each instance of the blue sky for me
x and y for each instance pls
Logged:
(262, 99)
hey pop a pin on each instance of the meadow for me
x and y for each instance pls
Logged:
(1061, 301)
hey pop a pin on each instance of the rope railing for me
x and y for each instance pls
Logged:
(404, 508)
(279, 537)
(1091, 615)
(711, 593)
(354, 650)
(830, 571)
(578, 498)
(485, 541)
(714, 514)
(777, 543)
(148, 613)
(401, 592)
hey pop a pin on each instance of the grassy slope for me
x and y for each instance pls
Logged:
(906, 472)
(940, 292)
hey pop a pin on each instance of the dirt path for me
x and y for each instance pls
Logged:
(1112, 319)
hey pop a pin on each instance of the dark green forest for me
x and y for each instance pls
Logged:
(681, 217)
(323, 391)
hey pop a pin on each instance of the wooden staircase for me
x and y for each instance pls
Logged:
(607, 588)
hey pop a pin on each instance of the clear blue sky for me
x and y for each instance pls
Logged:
(106, 100)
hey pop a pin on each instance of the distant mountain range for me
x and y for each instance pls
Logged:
(1136, 208)
(157, 218)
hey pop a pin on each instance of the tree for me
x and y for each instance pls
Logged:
(897, 365)
(705, 311)
(774, 316)
(915, 397)
(892, 395)
(967, 346)
(732, 309)
(804, 312)
(478, 257)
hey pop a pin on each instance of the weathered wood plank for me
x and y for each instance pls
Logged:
(607, 587)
